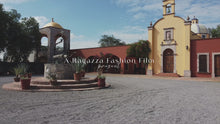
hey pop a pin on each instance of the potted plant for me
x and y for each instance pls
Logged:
(78, 68)
(17, 72)
(29, 75)
(24, 69)
(25, 83)
(83, 70)
(53, 79)
(101, 81)
(77, 74)
(100, 78)
(99, 71)
(83, 73)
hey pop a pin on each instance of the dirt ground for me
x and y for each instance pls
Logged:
(130, 100)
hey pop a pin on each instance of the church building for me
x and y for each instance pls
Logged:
(179, 47)
(176, 45)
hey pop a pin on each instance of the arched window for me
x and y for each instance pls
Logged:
(44, 41)
(168, 9)
(59, 45)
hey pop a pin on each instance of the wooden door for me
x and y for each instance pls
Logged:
(217, 65)
(168, 61)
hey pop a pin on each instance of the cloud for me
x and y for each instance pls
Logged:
(74, 37)
(205, 11)
(80, 41)
(14, 1)
(139, 16)
(76, 42)
(129, 34)
(83, 44)
(44, 41)
(141, 10)
(42, 20)
(7, 8)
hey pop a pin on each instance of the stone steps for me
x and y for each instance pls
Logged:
(46, 82)
(49, 88)
(64, 86)
(168, 75)
(42, 84)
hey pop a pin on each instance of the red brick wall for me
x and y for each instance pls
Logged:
(203, 46)
(119, 51)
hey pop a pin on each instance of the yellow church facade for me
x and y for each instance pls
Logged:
(170, 41)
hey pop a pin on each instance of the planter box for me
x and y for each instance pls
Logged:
(101, 83)
(77, 76)
(25, 84)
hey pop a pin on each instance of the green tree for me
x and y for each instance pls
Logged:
(24, 38)
(4, 23)
(18, 37)
(141, 49)
(215, 32)
(107, 41)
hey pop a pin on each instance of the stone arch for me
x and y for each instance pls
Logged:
(43, 38)
(59, 44)
(52, 33)
(168, 8)
(112, 63)
(171, 47)
(92, 64)
(168, 61)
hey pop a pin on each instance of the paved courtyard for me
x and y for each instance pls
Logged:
(130, 100)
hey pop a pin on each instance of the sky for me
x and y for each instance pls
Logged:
(127, 20)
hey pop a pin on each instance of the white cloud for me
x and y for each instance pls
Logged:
(212, 25)
(206, 11)
(80, 41)
(44, 41)
(129, 34)
(141, 9)
(74, 37)
(14, 1)
(139, 16)
(7, 8)
(83, 44)
(76, 42)
(42, 20)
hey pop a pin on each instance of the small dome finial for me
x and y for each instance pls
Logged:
(52, 19)
(188, 18)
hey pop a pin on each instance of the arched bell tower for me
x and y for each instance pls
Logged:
(53, 31)
(168, 7)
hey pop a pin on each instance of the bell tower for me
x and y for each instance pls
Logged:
(195, 20)
(53, 31)
(168, 7)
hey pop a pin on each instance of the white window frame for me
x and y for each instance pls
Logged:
(207, 55)
(165, 34)
(213, 63)
(204, 36)
(168, 7)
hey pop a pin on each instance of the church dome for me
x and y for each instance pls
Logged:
(194, 18)
(199, 29)
(53, 24)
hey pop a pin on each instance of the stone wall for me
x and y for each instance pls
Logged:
(63, 71)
